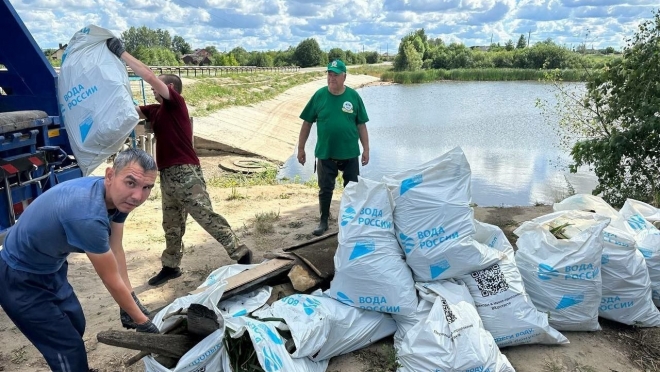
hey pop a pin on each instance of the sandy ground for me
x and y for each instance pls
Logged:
(296, 205)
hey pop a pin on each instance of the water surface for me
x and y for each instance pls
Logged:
(512, 151)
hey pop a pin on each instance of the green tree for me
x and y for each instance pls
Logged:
(285, 58)
(372, 57)
(260, 59)
(241, 55)
(211, 49)
(146, 38)
(308, 53)
(156, 56)
(522, 42)
(180, 46)
(509, 45)
(616, 122)
(226, 59)
(336, 53)
(419, 42)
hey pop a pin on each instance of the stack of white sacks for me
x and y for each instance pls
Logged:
(413, 262)
(470, 296)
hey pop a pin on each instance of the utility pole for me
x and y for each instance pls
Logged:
(491, 38)
(529, 34)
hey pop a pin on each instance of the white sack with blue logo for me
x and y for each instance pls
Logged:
(323, 327)
(647, 238)
(500, 298)
(649, 212)
(563, 276)
(433, 219)
(210, 353)
(95, 98)
(450, 337)
(626, 292)
(270, 347)
(370, 271)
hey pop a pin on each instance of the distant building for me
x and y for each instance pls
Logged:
(200, 57)
(482, 48)
(57, 55)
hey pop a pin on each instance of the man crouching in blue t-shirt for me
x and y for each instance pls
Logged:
(84, 215)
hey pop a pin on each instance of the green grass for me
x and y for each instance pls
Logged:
(477, 74)
(233, 180)
(210, 94)
(372, 70)
(264, 223)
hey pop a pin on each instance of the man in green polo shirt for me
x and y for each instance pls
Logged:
(341, 119)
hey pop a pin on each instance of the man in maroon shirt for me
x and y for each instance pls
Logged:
(182, 183)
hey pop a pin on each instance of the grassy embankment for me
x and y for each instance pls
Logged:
(210, 94)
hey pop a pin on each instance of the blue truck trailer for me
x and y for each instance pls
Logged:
(35, 153)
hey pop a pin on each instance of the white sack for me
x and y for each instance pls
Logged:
(587, 203)
(95, 98)
(210, 353)
(270, 347)
(433, 219)
(647, 238)
(649, 212)
(323, 327)
(563, 276)
(500, 298)
(370, 271)
(626, 292)
(451, 338)
(245, 304)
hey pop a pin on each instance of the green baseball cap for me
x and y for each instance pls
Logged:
(337, 66)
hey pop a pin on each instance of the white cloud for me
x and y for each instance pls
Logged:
(348, 24)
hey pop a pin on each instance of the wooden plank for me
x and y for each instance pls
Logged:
(245, 279)
(311, 241)
(173, 346)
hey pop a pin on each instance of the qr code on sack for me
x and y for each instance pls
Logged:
(449, 315)
(490, 281)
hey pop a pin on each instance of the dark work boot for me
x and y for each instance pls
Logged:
(325, 213)
(165, 274)
(246, 259)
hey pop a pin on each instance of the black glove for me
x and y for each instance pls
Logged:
(116, 46)
(144, 310)
(147, 327)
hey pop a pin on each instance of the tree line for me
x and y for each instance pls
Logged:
(417, 51)
(158, 47)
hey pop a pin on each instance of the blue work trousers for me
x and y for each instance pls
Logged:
(45, 309)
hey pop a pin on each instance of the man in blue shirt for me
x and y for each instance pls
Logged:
(83, 215)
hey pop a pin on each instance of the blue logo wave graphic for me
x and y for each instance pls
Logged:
(547, 272)
(240, 313)
(439, 268)
(569, 300)
(272, 362)
(277, 340)
(362, 249)
(85, 127)
(348, 215)
(310, 305)
(647, 253)
(409, 183)
(407, 242)
(344, 299)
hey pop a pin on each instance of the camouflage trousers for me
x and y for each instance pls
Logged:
(184, 192)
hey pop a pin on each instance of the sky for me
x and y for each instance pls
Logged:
(357, 25)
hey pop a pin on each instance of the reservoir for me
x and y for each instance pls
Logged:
(512, 150)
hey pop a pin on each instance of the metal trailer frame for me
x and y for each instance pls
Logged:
(35, 152)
